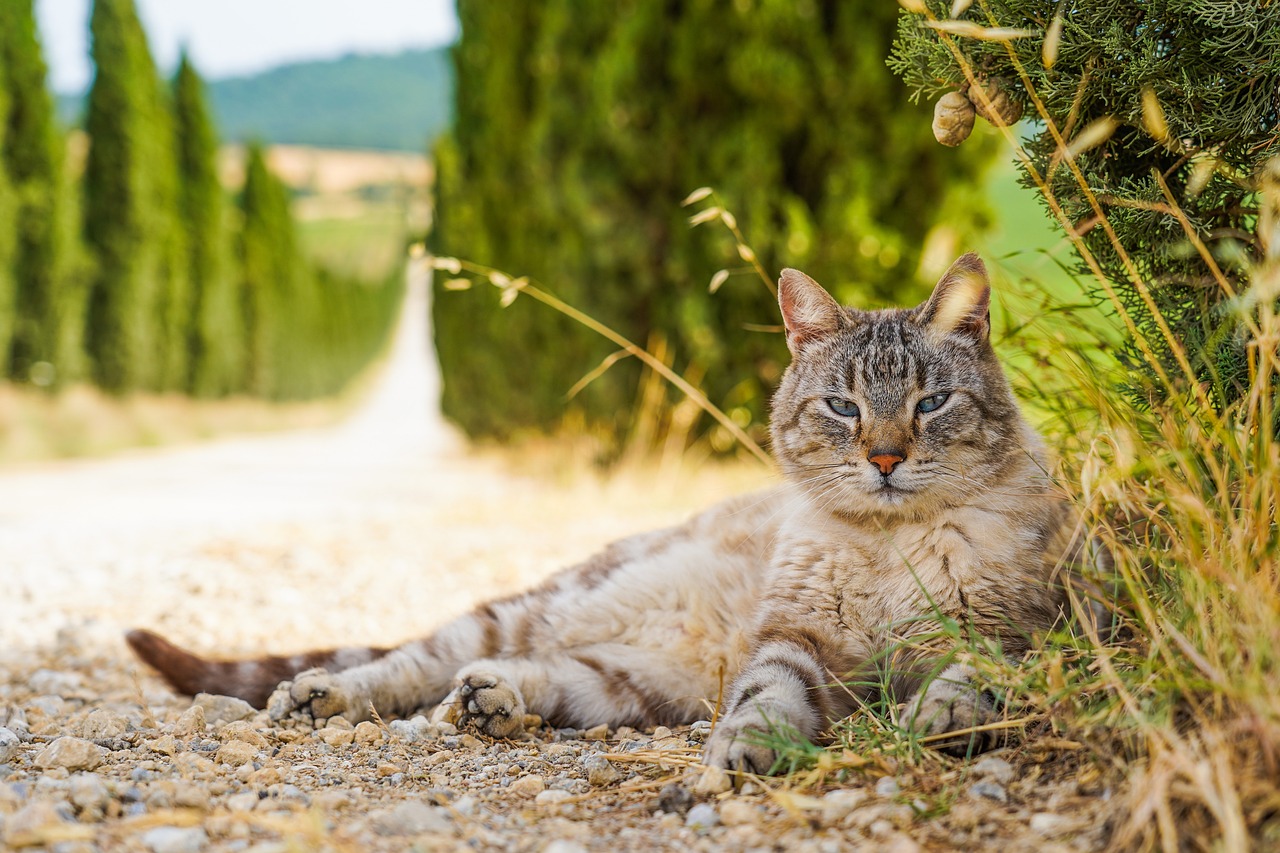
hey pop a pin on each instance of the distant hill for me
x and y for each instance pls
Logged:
(396, 102)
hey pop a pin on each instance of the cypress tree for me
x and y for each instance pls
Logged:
(139, 310)
(270, 269)
(8, 228)
(216, 333)
(579, 129)
(50, 301)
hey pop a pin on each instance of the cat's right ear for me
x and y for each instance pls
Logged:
(808, 311)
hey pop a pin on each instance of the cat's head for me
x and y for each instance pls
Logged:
(898, 412)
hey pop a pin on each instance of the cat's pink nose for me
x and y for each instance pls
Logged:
(885, 460)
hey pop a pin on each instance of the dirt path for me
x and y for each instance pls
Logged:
(371, 532)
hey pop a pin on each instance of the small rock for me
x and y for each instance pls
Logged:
(738, 813)
(166, 745)
(674, 799)
(837, 804)
(699, 730)
(661, 732)
(411, 818)
(600, 771)
(990, 790)
(887, 786)
(552, 797)
(340, 722)
(243, 731)
(223, 709)
(563, 845)
(712, 781)
(9, 743)
(174, 839)
(528, 786)
(53, 683)
(1047, 823)
(471, 742)
(190, 723)
(71, 753)
(188, 795)
(440, 757)
(241, 803)
(31, 824)
(368, 733)
(336, 736)
(702, 817)
(600, 732)
(996, 769)
(235, 753)
(89, 795)
(102, 724)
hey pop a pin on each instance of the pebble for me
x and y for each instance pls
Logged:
(336, 736)
(368, 733)
(412, 731)
(53, 682)
(738, 813)
(552, 797)
(191, 722)
(887, 786)
(188, 795)
(702, 817)
(235, 753)
(89, 795)
(996, 769)
(243, 731)
(989, 790)
(600, 771)
(412, 817)
(712, 781)
(527, 786)
(600, 732)
(1047, 823)
(223, 709)
(563, 845)
(674, 799)
(699, 731)
(174, 839)
(9, 743)
(837, 804)
(26, 827)
(71, 753)
(166, 745)
(102, 724)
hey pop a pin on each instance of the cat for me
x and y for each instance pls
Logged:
(914, 493)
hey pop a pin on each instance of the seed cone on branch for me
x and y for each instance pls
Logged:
(1002, 108)
(952, 119)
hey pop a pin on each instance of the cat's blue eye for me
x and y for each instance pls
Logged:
(843, 408)
(932, 403)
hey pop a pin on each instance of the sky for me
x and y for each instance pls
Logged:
(227, 38)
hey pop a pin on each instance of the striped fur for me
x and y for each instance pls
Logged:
(799, 598)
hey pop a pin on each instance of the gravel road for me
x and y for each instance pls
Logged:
(373, 532)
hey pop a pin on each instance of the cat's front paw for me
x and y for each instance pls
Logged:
(314, 696)
(737, 744)
(952, 703)
(486, 702)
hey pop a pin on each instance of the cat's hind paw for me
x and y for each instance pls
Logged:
(486, 702)
(952, 703)
(314, 696)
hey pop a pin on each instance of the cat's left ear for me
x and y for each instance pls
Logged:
(961, 300)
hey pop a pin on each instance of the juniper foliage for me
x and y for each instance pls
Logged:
(1213, 66)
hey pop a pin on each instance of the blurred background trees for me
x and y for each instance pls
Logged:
(579, 129)
(157, 282)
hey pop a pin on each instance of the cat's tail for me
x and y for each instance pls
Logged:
(252, 680)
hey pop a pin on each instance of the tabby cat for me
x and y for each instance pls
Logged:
(915, 492)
